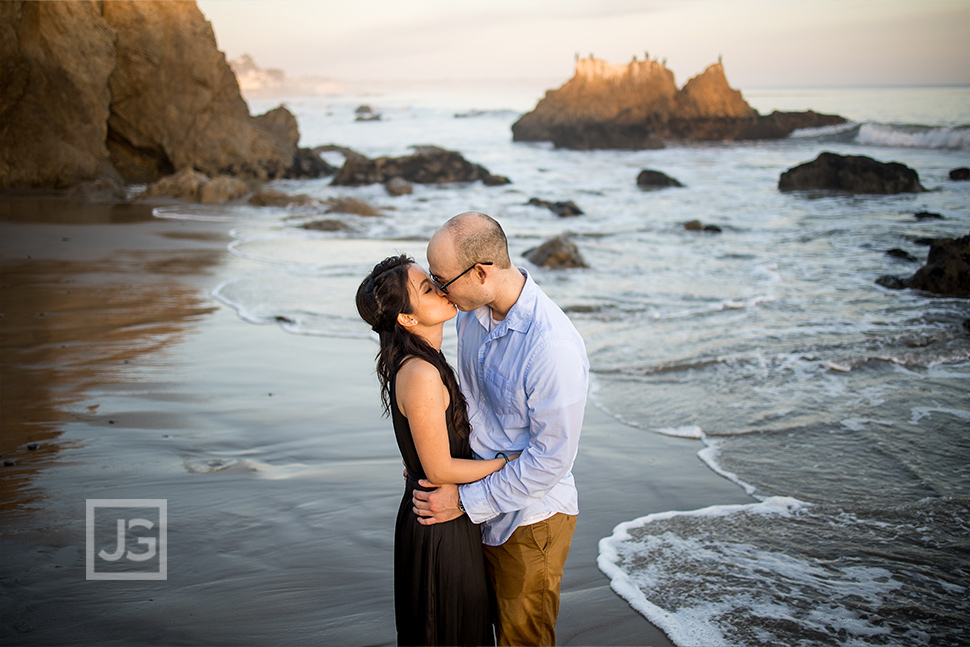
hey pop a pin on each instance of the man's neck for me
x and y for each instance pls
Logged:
(508, 293)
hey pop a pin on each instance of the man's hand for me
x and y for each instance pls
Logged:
(436, 506)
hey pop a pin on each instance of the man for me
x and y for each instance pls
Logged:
(524, 373)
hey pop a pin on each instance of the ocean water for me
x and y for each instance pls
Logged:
(839, 406)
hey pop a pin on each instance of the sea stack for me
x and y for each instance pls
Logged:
(638, 105)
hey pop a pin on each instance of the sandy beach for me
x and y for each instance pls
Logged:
(129, 381)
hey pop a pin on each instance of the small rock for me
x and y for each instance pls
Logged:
(307, 164)
(491, 179)
(33, 446)
(895, 252)
(9, 462)
(222, 189)
(398, 186)
(366, 113)
(966, 325)
(562, 209)
(556, 253)
(962, 173)
(649, 179)
(185, 185)
(697, 225)
(927, 215)
(892, 282)
(274, 198)
(351, 205)
(326, 225)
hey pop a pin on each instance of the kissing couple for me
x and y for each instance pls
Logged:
(490, 503)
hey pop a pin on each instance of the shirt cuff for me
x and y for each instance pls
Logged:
(475, 499)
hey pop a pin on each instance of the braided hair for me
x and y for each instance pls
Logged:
(380, 298)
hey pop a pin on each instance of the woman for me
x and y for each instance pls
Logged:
(440, 590)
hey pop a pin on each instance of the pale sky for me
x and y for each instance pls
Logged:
(764, 43)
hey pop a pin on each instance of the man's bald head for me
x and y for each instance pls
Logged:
(476, 238)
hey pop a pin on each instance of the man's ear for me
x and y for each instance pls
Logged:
(481, 273)
(406, 320)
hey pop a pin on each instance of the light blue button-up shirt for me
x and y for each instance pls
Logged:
(525, 383)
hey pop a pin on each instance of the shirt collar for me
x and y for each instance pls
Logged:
(519, 317)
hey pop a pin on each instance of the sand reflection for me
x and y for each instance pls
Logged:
(66, 326)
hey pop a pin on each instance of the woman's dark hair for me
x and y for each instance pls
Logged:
(380, 298)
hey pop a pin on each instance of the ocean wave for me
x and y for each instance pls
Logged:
(891, 135)
(784, 571)
(906, 136)
(207, 213)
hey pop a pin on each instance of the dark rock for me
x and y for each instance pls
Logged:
(428, 165)
(308, 164)
(852, 173)
(9, 462)
(901, 254)
(962, 173)
(697, 225)
(928, 215)
(966, 325)
(923, 240)
(947, 270)
(33, 446)
(561, 209)
(649, 179)
(556, 253)
(597, 135)
(495, 180)
(892, 282)
(398, 186)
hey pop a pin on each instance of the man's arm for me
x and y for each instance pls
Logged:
(436, 506)
(557, 378)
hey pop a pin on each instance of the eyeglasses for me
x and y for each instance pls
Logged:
(444, 286)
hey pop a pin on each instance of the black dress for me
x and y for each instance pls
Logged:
(440, 590)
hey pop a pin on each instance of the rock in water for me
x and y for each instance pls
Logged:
(428, 165)
(556, 253)
(649, 179)
(563, 209)
(852, 173)
(637, 106)
(962, 173)
(947, 270)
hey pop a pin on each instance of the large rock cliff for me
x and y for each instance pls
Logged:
(638, 105)
(136, 90)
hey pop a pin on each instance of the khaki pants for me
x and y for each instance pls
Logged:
(525, 573)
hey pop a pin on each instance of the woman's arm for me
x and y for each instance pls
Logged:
(421, 396)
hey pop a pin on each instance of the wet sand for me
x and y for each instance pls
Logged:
(280, 476)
